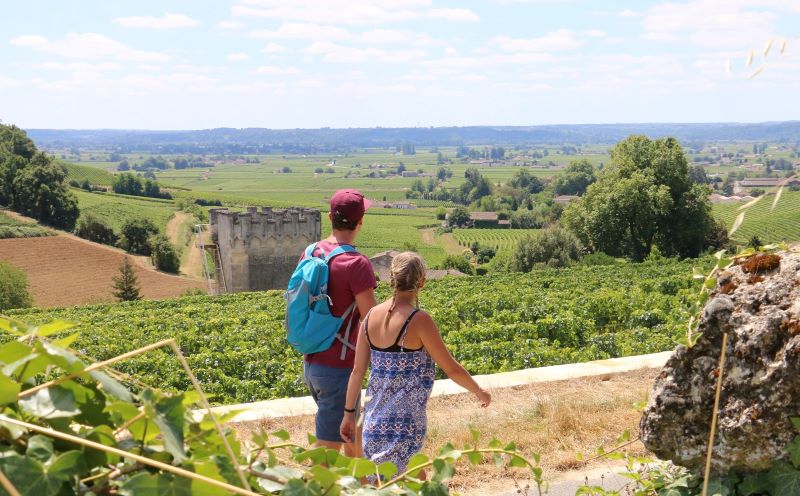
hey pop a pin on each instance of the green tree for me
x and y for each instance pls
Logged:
(136, 236)
(578, 175)
(459, 216)
(644, 197)
(126, 285)
(457, 262)
(41, 192)
(551, 247)
(13, 288)
(524, 180)
(164, 255)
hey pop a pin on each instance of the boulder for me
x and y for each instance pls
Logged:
(758, 305)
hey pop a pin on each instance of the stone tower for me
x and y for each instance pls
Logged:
(258, 250)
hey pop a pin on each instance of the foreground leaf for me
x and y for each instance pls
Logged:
(50, 403)
(144, 484)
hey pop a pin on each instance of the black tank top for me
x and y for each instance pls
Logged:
(396, 347)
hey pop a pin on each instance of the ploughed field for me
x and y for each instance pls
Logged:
(236, 346)
(65, 270)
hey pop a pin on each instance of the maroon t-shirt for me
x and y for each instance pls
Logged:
(350, 274)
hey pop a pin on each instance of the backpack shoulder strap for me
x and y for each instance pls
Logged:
(338, 251)
(310, 250)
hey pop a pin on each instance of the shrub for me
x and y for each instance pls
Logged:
(551, 247)
(93, 229)
(13, 288)
(164, 255)
(598, 258)
(757, 191)
(457, 262)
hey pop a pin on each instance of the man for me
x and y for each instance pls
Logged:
(350, 279)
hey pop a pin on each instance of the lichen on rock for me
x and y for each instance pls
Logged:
(761, 374)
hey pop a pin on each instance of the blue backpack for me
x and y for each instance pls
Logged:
(310, 325)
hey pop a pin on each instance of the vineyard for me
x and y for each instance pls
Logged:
(94, 175)
(771, 226)
(12, 228)
(115, 210)
(236, 345)
(499, 239)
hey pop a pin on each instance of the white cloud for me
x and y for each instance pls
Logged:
(556, 41)
(273, 47)
(167, 21)
(238, 56)
(736, 25)
(6, 82)
(595, 33)
(399, 36)
(133, 84)
(302, 31)
(87, 46)
(629, 13)
(277, 71)
(230, 25)
(78, 66)
(450, 52)
(332, 52)
(351, 12)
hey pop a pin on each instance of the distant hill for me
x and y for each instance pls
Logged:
(258, 140)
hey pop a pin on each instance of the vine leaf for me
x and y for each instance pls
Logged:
(168, 415)
(36, 478)
(144, 484)
(784, 479)
(50, 403)
(8, 390)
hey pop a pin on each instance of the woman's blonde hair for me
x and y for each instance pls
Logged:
(407, 274)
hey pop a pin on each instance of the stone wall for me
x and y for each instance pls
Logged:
(258, 250)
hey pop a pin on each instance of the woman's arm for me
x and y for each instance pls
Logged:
(433, 343)
(348, 428)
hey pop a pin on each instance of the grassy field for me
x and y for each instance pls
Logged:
(12, 228)
(95, 176)
(115, 210)
(771, 226)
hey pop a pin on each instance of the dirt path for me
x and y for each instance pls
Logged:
(555, 419)
(174, 228)
(192, 262)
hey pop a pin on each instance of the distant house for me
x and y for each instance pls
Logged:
(717, 198)
(564, 199)
(404, 205)
(382, 266)
(410, 174)
(483, 219)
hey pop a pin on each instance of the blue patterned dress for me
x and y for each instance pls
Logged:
(400, 383)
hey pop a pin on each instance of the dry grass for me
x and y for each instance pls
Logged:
(556, 420)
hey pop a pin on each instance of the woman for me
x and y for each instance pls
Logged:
(401, 344)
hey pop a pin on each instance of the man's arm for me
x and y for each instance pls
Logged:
(365, 300)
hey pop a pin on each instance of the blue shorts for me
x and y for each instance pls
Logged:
(328, 386)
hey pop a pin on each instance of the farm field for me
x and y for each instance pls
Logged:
(499, 239)
(66, 270)
(236, 345)
(94, 175)
(771, 226)
(115, 210)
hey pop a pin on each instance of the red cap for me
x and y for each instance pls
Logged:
(350, 204)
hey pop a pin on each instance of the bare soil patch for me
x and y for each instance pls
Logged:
(66, 270)
(555, 419)
(174, 228)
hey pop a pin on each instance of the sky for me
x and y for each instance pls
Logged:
(175, 64)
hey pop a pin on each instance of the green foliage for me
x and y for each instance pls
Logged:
(86, 174)
(458, 262)
(459, 217)
(46, 454)
(93, 229)
(13, 288)
(494, 323)
(644, 197)
(771, 225)
(10, 228)
(164, 255)
(551, 247)
(598, 258)
(129, 184)
(578, 175)
(125, 286)
(40, 191)
(136, 236)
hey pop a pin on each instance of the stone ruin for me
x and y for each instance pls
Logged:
(258, 250)
(757, 304)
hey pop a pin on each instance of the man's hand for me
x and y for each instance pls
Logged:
(348, 428)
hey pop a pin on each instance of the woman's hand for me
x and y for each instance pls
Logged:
(484, 397)
(348, 428)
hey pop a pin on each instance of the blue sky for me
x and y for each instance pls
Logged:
(363, 63)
